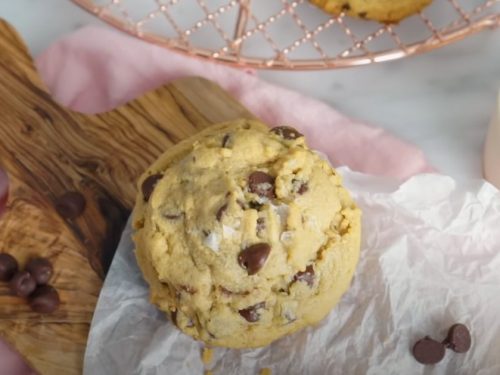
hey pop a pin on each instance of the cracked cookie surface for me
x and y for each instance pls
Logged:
(244, 234)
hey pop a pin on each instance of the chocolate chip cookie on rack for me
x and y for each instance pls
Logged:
(387, 11)
(244, 234)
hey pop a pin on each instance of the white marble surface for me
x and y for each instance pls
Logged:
(441, 101)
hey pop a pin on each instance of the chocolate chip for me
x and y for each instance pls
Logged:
(225, 140)
(362, 14)
(44, 300)
(22, 284)
(173, 315)
(428, 351)
(254, 257)
(70, 205)
(149, 184)
(8, 266)
(261, 184)
(228, 292)
(220, 212)
(173, 216)
(306, 276)
(41, 269)
(346, 7)
(251, 314)
(304, 187)
(458, 338)
(255, 205)
(286, 132)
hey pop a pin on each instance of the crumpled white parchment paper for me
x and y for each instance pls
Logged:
(430, 257)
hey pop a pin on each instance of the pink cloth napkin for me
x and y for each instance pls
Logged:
(96, 69)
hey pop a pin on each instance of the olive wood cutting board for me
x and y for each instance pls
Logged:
(48, 150)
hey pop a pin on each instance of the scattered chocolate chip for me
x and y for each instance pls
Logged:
(70, 205)
(306, 276)
(286, 132)
(428, 351)
(188, 289)
(346, 7)
(8, 266)
(261, 184)
(220, 212)
(362, 14)
(44, 300)
(251, 314)
(254, 257)
(41, 269)
(205, 232)
(255, 205)
(149, 184)
(225, 140)
(458, 338)
(304, 187)
(261, 225)
(22, 284)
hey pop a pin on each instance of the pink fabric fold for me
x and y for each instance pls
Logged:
(96, 69)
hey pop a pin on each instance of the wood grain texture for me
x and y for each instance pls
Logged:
(48, 150)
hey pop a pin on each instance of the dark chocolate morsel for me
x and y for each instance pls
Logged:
(254, 257)
(304, 187)
(41, 269)
(220, 212)
(8, 266)
(458, 338)
(251, 314)
(286, 132)
(44, 300)
(225, 140)
(261, 184)
(149, 184)
(22, 284)
(428, 351)
(306, 276)
(70, 205)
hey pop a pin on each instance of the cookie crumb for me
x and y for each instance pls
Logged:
(207, 356)
(265, 371)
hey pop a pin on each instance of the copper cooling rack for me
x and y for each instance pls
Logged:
(281, 34)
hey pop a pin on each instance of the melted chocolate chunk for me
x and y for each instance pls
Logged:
(306, 276)
(428, 351)
(8, 266)
(458, 338)
(261, 184)
(304, 187)
(149, 184)
(225, 140)
(220, 212)
(254, 257)
(251, 314)
(286, 132)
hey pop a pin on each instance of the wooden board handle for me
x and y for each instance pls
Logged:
(48, 150)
